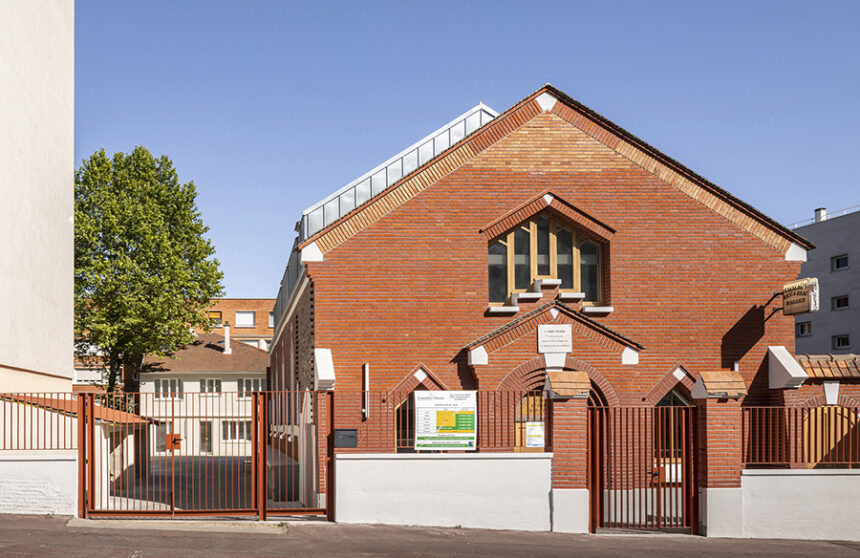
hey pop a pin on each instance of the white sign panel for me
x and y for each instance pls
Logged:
(534, 435)
(555, 338)
(446, 420)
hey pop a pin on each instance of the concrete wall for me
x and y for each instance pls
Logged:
(801, 504)
(37, 191)
(833, 237)
(39, 482)
(480, 490)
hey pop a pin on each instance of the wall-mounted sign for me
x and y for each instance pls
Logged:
(554, 338)
(446, 420)
(535, 435)
(800, 297)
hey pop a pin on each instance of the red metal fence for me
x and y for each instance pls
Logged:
(642, 473)
(801, 437)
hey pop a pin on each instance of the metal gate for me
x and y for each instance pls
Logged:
(205, 454)
(642, 473)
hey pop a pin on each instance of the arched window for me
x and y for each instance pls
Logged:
(544, 248)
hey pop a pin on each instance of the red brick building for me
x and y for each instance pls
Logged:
(251, 319)
(549, 215)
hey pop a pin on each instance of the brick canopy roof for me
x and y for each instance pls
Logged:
(831, 366)
(206, 354)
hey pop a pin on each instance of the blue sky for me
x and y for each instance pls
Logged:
(269, 106)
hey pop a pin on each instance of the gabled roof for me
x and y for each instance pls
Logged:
(543, 314)
(206, 354)
(550, 99)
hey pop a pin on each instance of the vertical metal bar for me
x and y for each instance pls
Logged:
(330, 458)
(90, 436)
(82, 457)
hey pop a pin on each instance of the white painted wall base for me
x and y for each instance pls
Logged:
(570, 510)
(478, 490)
(33, 482)
(802, 504)
(722, 512)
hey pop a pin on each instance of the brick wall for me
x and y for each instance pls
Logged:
(261, 308)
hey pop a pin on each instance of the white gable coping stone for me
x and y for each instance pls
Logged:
(312, 253)
(546, 101)
(831, 392)
(795, 253)
(679, 374)
(324, 377)
(478, 356)
(629, 356)
(420, 375)
(783, 371)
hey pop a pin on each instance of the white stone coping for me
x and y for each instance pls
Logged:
(39, 455)
(800, 472)
(570, 296)
(597, 309)
(422, 456)
(503, 309)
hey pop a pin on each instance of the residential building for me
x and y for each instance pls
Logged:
(37, 192)
(252, 319)
(203, 392)
(835, 262)
(544, 252)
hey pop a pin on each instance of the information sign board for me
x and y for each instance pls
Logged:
(554, 338)
(446, 420)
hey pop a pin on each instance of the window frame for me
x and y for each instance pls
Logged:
(834, 303)
(210, 386)
(160, 393)
(577, 240)
(798, 327)
(835, 259)
(834, 340)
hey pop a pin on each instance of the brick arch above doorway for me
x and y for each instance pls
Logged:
(531, 374)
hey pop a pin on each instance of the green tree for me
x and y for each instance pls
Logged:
(144, 272)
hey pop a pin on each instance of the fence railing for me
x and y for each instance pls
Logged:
(38, 421)
(505, 421)
(801, 437)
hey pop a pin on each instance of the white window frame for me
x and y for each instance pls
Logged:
(210, 386)
(256, 385)
(174, 388)
(232, 430)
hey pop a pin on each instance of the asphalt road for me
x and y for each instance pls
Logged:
(50, 537)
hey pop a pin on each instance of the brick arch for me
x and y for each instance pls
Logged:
(667, 384)
(530, 375)
(820, 401)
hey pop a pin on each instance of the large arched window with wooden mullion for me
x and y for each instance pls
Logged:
(544, 248)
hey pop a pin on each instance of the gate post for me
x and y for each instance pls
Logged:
(570, 495)
(82, 456)
(719, 461)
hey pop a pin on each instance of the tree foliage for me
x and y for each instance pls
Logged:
(144, 272)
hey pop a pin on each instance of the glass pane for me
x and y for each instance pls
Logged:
(497, 259)
(347, 202)
(564, 249)
(377, 182)
(589, 269)
(362, 191)
(315, 221)
(542, 245)
(472, 122)
(395, 172)
(458, 131)
(425, 152)
(332, 211)
(410, 161)
(522, 260)
(441, 142)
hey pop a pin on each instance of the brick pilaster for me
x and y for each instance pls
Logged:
(569, 443)
(720, 443)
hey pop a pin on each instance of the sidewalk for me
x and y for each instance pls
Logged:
(51, 537)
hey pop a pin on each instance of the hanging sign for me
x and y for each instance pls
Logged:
(554, 338)
(800, 297)
(446, 420)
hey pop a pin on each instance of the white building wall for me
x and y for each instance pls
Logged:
(478, 490)
(37, 191)
(39, 482)
(801, 504)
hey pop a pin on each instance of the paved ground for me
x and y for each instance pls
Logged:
(50, 537)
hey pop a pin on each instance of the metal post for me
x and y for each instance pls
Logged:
(82, 457)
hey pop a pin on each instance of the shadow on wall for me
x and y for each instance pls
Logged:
(743, 336)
